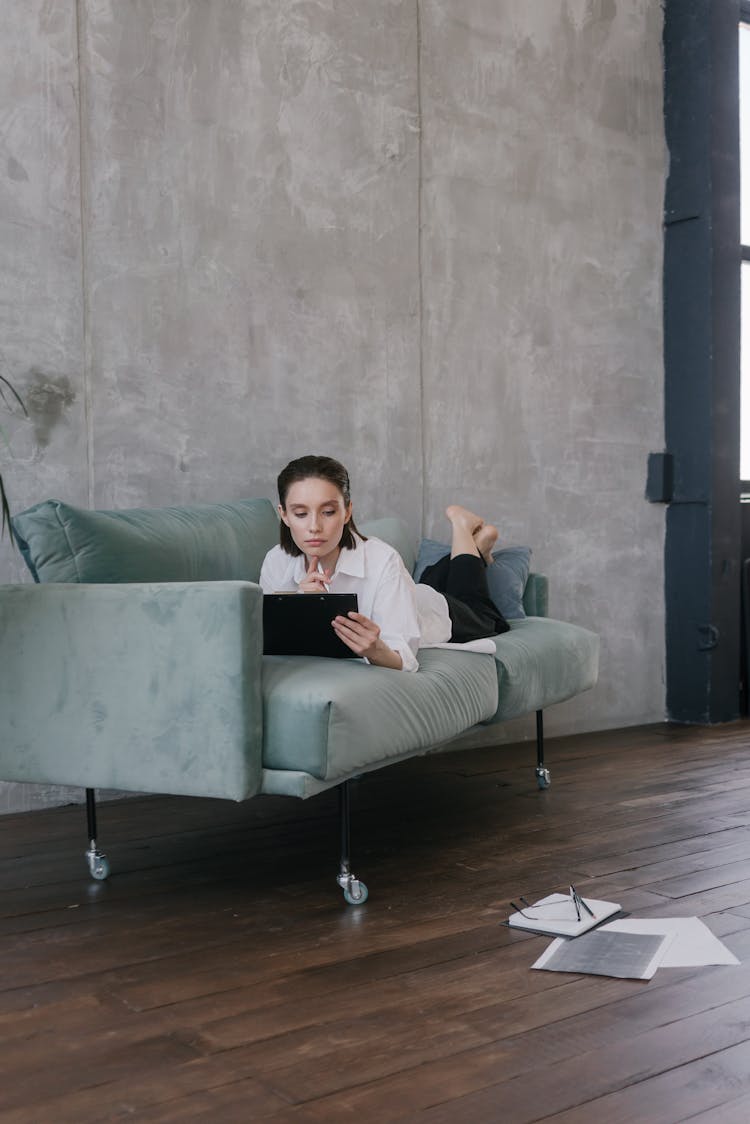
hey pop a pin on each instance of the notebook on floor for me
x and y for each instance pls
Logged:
(299, 624)
(556, 916)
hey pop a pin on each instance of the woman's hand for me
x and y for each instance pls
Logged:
(315, 580)
(362, 635)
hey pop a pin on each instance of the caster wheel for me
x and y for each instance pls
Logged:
(99, 867)
(100, 870)
(543, 778)
(362, 894)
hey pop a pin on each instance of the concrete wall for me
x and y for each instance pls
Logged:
(422, 236)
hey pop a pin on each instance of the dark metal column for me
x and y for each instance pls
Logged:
(701, 354)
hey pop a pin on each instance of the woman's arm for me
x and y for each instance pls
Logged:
(390, 636)
(362, 635)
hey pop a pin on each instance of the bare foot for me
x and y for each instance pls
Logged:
(462, 517)
(485, 538)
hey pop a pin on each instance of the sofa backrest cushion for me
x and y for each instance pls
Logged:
(536, 596)
(205, 542)
(396, 533)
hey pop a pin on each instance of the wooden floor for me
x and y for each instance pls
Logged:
(219, 976)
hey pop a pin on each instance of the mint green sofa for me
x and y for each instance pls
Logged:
(135, 663)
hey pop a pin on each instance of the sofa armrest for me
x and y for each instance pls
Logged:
(141, 687)
(536, 596)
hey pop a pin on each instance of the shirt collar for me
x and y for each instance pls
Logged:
(352, 562)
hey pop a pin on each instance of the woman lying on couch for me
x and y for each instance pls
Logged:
(321, 550)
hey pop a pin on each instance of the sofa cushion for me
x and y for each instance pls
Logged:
(536, 596)
(396, 533)
(506, 577)
(541, 662)
(205, 542)
(333, 725)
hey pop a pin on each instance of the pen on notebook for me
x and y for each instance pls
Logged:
(574, 899)
(583, 903)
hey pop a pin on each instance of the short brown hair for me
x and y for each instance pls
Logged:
(321, 468)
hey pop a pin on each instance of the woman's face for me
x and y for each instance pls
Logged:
(316, 515)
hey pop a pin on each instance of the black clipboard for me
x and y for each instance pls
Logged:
(300, 624)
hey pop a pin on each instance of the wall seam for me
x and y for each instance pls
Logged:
(420, 281)
(85, 317)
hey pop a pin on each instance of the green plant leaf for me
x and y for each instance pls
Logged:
(10, 399)
(5, 513)
(14, 392)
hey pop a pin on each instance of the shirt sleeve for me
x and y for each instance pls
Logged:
(394, 609)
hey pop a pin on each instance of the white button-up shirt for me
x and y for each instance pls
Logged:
(409, 616)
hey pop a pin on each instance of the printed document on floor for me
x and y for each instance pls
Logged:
(630, 956)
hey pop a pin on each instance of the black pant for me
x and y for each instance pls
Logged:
(463, 582)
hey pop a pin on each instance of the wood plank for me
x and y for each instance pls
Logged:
(219, 972)
(467, 1086)
(708, 1086)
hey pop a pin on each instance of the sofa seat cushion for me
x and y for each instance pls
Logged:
(540, 662)
(332, 720)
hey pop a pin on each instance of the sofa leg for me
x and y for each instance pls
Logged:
(97, 860)
(542, 773)
(355, 892)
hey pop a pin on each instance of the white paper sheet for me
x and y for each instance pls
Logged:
(486, 645)
(693, 943)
